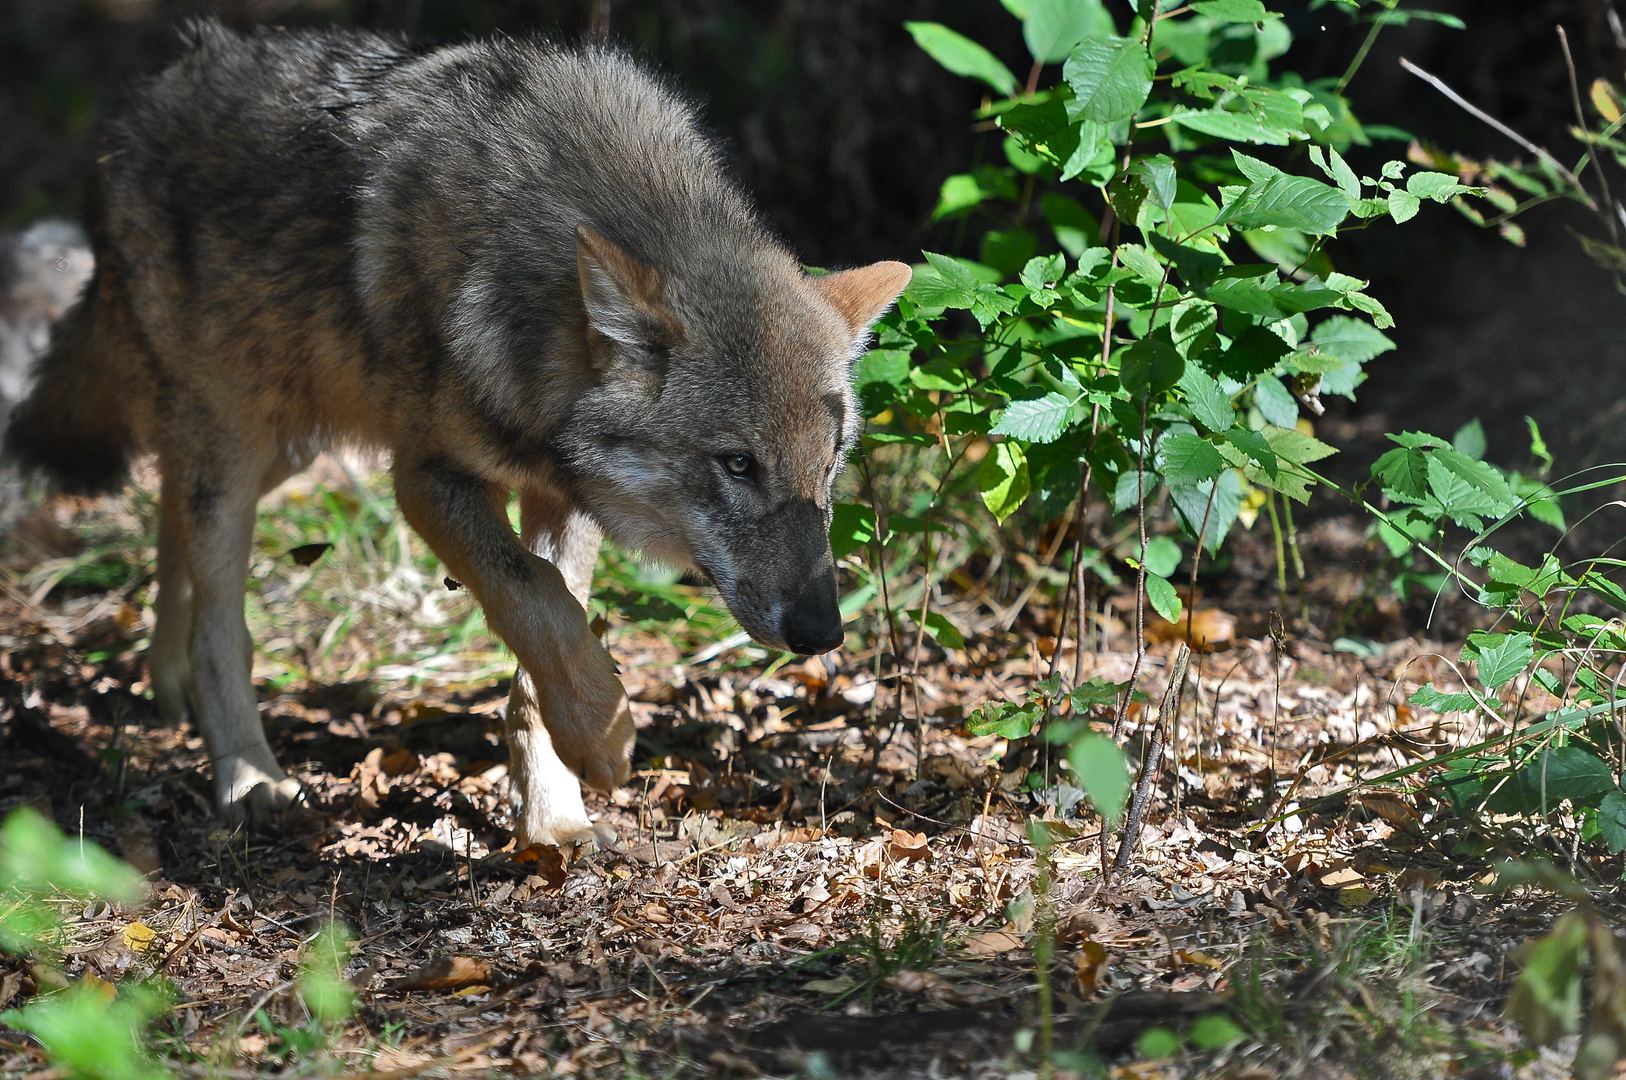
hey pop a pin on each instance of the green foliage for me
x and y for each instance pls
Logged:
(90, 1030)
(1118, 323)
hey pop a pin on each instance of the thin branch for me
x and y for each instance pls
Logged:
(1591, 152)
(1169, 713)
(1484, 117)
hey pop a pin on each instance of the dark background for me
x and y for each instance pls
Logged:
(844, 130)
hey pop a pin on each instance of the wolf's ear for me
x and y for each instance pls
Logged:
(621, 294)
(863, 295)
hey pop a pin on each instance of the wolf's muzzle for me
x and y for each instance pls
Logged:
(812, 621)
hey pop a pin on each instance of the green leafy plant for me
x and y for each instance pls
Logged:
(1152, 305)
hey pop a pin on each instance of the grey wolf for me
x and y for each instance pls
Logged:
(516, 266)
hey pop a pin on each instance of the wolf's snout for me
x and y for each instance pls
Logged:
(812, 622)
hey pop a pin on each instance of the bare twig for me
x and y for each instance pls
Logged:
(1168, 713)
(1591, 152)
(1484, 117)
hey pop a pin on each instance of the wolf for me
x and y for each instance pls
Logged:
(518, 266)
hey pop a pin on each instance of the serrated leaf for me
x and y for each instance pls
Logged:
(1351, 339)
(961, 55)
(1150, 366)
(1110, 78)
(1002, 479)
(1036, 420)
(1556, 774)
(1427, 697)
(1403, 473)
(1501, 656)
(1189, 459)
(1255, 447)
(1289, 202)
(1210, 405)
(1161, 595)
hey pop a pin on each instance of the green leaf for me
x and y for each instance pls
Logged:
(1215, 1031)
(1612, 821)
(1403, 206)
(1036, 420)
(944, 632)
(1150, 366)
(90, 1037)
(1469, 441)
(944, 282)
(1161, 595)
(1006, 719)
(1194, 504)
(1095, 694)
(1256, 447)
(1110, 78)
(1155, 1043)
(1208, 403)
(1350, 339)
(961, 55)
(1253, 352)
(1552, 776)
(1103, 774)
(1162, 556)
(1189, 459)
(1604, 589)
(1546, 999)
(1242, 11)
(1276, 403)
(851, 527)
(1002, 478)
(1290, 202)
(36, 857)
(1500, 656)
(888, 366)
(1427, 697)
(1441, 187)
(1251, 114)
(1052, 27)
(1403, 474)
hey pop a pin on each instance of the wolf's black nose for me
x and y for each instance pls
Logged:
(812, 622)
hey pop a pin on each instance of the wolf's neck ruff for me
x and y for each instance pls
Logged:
(514, 265)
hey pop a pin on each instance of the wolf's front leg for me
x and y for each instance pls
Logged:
(202, 649)
(529, 605)
(547, 795)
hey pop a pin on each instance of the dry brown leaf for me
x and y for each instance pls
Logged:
(1092, 957)
(991, 942)
(1336, 879)
(398, 763)
(657, 914)
(906, 846)
(1195, 957)
(445, 973)
(548, 866)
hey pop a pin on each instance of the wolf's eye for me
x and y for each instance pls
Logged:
(739, 465)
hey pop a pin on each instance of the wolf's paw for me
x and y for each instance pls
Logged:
(589, 722)
(567, 833)
(256, 798)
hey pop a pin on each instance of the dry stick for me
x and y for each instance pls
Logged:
(1168, 712)
(1191, 621)
(1581, 125)
(1484, 117)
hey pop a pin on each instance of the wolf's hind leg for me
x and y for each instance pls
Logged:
(210, 506)
(168, 663)
(547, 795)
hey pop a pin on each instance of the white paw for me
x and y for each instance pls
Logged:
(254, 795)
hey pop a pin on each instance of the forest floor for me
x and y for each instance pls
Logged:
(800, 887)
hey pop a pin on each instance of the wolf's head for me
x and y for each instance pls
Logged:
(720, 411)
